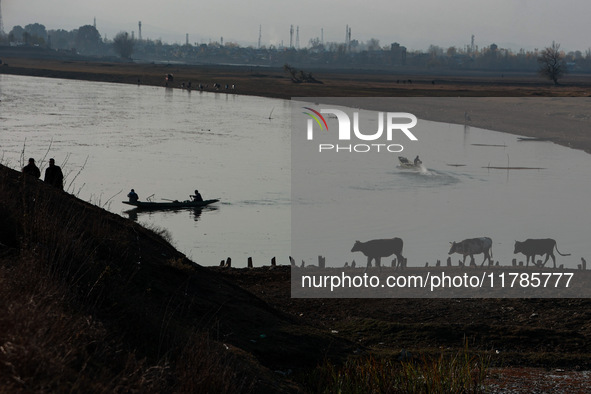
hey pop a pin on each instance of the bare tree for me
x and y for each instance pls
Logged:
(552, 65)
(291, 71)
(123, 45)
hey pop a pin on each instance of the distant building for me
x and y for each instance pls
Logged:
(398, 53)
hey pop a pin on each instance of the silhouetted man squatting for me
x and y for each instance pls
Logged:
(196, 196)
(54, 175)
(133, 197)
(32, 169)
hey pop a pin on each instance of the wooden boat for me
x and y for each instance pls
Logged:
(170, 204)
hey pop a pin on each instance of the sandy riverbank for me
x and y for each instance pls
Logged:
(562, 120)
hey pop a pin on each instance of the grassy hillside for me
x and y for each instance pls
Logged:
(94, 302)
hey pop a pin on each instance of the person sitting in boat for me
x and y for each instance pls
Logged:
(196, 196)
(133, 197)
(418, 161)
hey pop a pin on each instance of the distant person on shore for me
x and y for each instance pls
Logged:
(133, 197)
(196, 196)
(32, 169)
(54, 175)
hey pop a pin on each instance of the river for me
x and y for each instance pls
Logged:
(165, 143)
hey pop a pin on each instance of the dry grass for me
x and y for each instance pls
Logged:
(448, 373)
(49, 346)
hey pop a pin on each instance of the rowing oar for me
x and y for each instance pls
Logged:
(166, 199)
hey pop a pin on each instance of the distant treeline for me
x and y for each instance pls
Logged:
(86, 40)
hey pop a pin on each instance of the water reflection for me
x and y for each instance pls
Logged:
(195, 213)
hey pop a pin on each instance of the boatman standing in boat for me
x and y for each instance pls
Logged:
(417, 161)
(133, 197)
(196, 196)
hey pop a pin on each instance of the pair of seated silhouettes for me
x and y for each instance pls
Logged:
(133, 197)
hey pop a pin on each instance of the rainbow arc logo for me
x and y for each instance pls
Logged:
(317, 117)
(388, 124)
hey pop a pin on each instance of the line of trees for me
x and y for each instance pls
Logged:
(85, 40)
(551, 62)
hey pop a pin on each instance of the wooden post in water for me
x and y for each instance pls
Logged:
(273, 262)
(250, 262)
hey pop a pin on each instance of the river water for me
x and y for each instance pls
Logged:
(110, 138)
(166, 142)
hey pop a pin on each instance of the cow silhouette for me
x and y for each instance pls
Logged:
(375, 249)
(532, 247)
(470, 247)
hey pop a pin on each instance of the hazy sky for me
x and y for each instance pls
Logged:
(415, 24)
